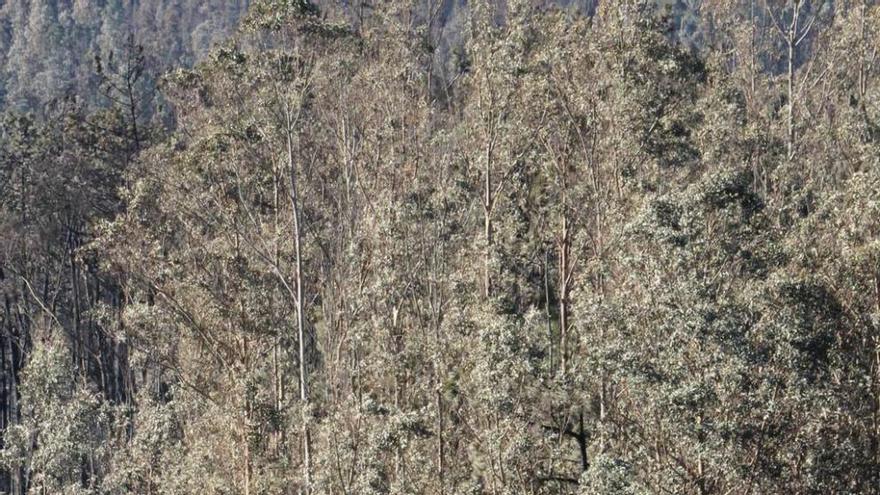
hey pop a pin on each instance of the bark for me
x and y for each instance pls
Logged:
(300, 318)
(564, 289)
(487, 227)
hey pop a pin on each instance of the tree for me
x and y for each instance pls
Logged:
(58, 445)
(793, 23)
(444, 247)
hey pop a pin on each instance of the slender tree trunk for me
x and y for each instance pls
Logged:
(701, 476)
(487, 224)
(440, 453)
(398, 389)
(74, 284)
(16, 471)
(875, 386)
(6, 373)
(132, 110)
(582, 443)
(300, 309)
(875, 383)
(547, 309)
(487, 262)
(863, 39)
(752, 48)
(790, 116)
(278, 385)
(564, 251)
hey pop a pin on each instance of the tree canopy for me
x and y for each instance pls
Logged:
(440, 247)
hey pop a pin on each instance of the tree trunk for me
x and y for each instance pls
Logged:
(487, 211)
(547, 310)
(564, 251)
(790, 116)
(300, 319)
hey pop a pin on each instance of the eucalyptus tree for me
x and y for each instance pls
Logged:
(229, 211)
(59, 444)
(495, 137)
(548, 254)
(839, 105)
(793, 23)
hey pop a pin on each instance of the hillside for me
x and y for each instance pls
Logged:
(440, 248)
(48, 47)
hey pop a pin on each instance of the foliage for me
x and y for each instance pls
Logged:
(431, 247)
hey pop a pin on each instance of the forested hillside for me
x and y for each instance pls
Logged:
(440, 247)
(48, 47)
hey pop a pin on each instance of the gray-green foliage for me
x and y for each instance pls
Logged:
(48, 47)
(61, 442)
(583, 262)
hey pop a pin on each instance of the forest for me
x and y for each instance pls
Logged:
(443, 247)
